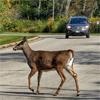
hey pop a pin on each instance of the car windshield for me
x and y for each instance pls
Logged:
(78, 21)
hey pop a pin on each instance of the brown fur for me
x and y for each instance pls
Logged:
(46, 60)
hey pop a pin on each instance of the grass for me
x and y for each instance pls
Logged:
(42, 33)
(95, 33)
(29, 33)
(16, 33)
(9, 39)
(4, 39)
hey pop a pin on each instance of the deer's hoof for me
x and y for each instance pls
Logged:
(37, 92)
(78, 93)
(55, 94)
(32, 90)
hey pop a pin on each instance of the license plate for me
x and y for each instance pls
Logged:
(77, 31)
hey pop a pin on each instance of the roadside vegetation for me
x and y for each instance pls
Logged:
(4, 39)
(37, 16)
(9, 39)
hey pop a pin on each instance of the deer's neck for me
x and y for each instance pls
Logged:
(27, 50)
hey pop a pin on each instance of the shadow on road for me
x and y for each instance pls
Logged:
(87, 58)
(82, 57)
(85, 94)
(17, 57)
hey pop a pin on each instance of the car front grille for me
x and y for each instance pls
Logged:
(79, 28)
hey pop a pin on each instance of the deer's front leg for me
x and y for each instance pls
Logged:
(33, 71)
(39, 77)
(63, 78)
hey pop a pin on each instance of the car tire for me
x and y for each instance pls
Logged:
(87, 36)
(66, 36)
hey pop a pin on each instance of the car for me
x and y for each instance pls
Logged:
(78, 26)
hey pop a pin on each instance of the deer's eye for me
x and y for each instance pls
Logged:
(18, 44)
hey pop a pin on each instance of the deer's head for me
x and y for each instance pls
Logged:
(20, 45)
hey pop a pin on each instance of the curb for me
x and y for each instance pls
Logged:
(15, 43)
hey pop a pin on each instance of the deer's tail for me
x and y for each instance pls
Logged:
(71, 58)
(72, 52)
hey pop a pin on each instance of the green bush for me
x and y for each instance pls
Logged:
(40, 26)
(94, 28)
(61, 27)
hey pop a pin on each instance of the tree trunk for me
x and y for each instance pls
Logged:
(93, 8)
(60, 11)
(84, 6)
(53, 8)
(39, 8)
(67, 6)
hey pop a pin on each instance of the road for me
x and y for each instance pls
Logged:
(14, 71)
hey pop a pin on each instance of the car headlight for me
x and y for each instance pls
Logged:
(86, 27)
(68, 27)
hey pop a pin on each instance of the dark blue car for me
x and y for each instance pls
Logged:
(78, 26)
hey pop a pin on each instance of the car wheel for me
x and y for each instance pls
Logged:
(87, 36)
(66, 36)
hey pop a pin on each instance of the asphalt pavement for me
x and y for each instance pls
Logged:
(14, 70)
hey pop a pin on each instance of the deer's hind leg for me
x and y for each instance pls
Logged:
(63, 78)
(33, 71)
(74, 75)
(39, 77)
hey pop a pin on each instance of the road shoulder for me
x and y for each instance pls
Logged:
(15, 43)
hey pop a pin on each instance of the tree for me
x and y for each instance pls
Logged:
(97, 11)
(5, 15)
(44, 9)
(39, 8)
(84, 5)
(83, 8)
(61, 8)
(53, 8)
(94, 7)
(67, 6)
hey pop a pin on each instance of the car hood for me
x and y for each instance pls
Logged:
(77, 24)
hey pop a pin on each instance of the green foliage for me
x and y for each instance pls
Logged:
(45, 9)
(94, 28)
(97, 11)
(29, 8)
(83, 8)
(22, 16)
(9, 39)
(5, 16)
(61, 27)
(25, 11)
(40, 26)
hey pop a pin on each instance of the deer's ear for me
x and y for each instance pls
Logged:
(24, 39)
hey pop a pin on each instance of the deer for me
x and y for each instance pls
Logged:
(41, 61)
